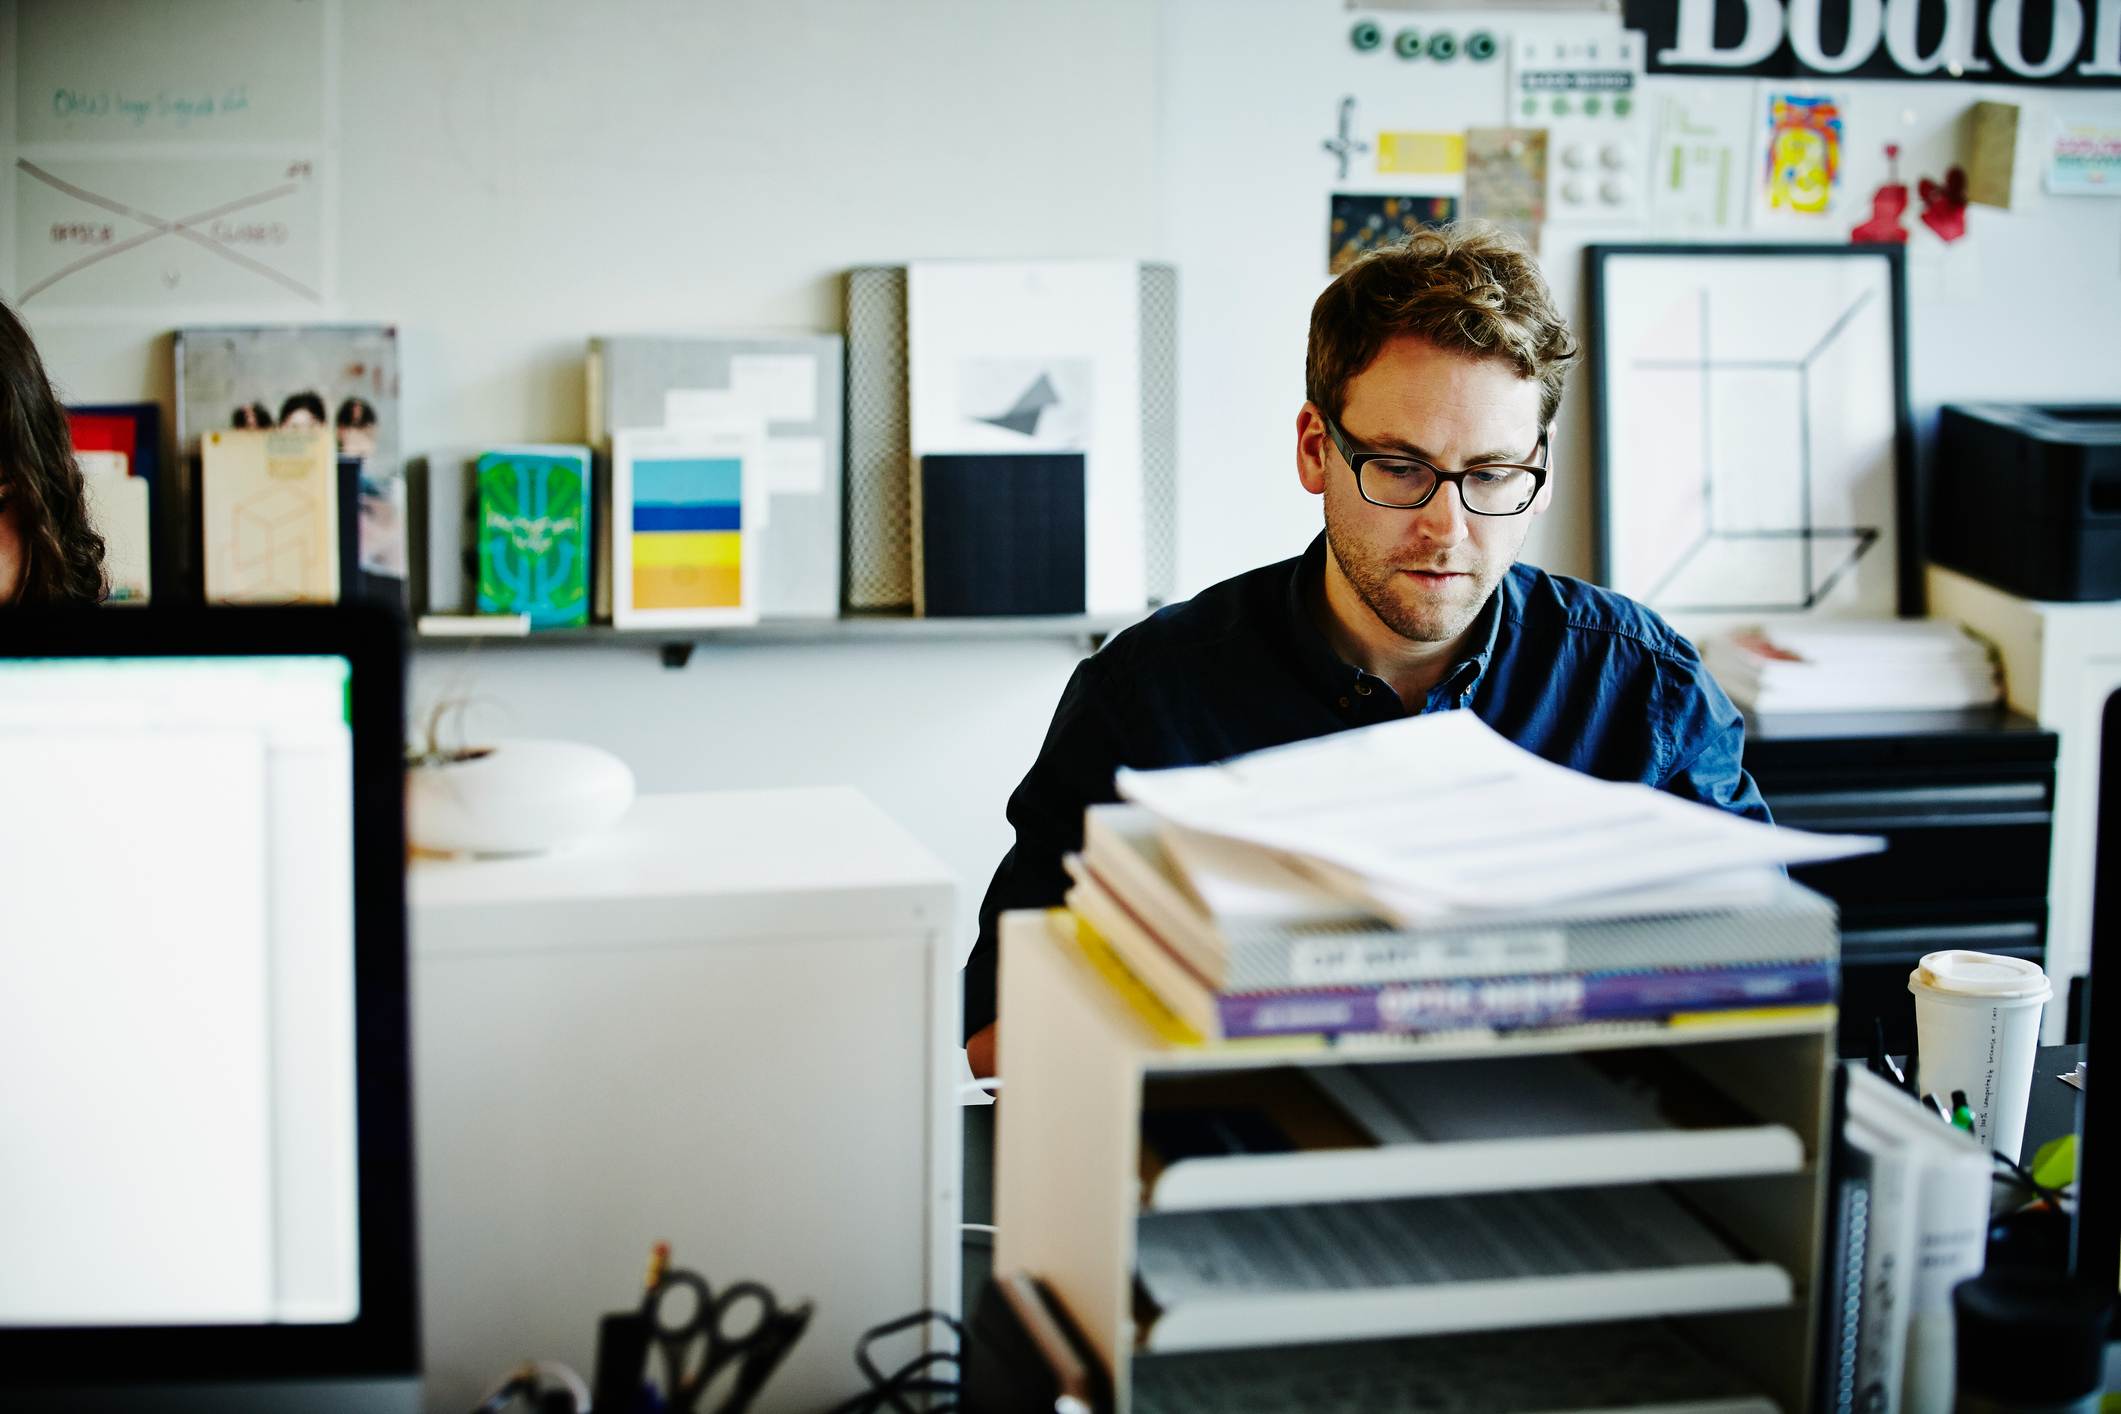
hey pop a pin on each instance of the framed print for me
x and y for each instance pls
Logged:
(1751, 434)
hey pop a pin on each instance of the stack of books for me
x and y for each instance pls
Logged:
(1427, 876)
(1854, 666)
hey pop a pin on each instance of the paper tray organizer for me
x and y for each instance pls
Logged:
(1091, 1165)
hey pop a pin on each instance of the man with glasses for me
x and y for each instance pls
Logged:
(1434, 372)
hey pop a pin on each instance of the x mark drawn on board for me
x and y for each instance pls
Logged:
(161, 227)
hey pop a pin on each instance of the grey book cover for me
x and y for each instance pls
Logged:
(795, 382)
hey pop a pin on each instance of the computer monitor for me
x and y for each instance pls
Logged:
(205, 1148)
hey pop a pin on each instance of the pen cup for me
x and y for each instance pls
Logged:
(1977, 1024)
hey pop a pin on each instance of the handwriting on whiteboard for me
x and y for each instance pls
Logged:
(179, 110)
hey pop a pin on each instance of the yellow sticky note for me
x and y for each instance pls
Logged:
(1431, 154)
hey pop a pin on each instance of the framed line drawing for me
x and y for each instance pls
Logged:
(1751, 435)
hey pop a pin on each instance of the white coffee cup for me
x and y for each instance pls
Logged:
(1977, 1026)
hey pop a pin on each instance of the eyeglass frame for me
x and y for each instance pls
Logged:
(1358, 460)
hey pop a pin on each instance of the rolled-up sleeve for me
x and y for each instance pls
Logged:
(1704, 746)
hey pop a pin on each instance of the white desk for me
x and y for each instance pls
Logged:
(731, 1023)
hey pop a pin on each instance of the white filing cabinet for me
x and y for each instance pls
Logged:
(2060, 661)
(731, 1023)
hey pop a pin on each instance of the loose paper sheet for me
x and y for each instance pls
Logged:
(1445, 816)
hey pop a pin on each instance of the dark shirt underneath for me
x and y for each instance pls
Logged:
(1577, 674)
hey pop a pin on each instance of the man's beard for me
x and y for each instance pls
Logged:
(1401, 603)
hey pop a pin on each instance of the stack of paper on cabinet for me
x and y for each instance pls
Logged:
(1427, 875)
(1863, 665)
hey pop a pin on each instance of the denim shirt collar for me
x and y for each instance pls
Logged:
(1335, 675)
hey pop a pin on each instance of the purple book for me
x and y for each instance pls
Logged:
(1551, 999)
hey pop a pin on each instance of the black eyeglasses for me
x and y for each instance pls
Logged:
(1406, 483)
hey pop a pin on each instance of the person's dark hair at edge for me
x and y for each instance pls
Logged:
(356, 412)
(304, 402)
(63, 554)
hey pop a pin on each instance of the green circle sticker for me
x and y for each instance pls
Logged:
(1561, 107)
(1531, 107)
(1366, 35)
(1592, 105)
(1622, 106)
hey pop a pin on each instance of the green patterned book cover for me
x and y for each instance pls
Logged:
(534, 539)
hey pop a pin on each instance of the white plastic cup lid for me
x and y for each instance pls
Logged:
(1979, 974)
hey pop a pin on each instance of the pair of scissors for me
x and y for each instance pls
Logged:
(706, 1341)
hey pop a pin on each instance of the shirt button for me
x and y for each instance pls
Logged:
(1344, 703)
(1362, 688)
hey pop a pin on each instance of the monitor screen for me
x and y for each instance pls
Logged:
(205, 1128)
(177, 973)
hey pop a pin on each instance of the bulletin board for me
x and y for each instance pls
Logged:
(1252, 185)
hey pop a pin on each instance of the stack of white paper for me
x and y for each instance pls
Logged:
(1437, 818)
(1854, 665)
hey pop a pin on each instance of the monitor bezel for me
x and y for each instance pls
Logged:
(383, 1340)
(2097, 1239)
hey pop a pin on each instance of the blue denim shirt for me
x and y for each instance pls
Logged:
(1578, 674)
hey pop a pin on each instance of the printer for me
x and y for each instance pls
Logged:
(2028, 498)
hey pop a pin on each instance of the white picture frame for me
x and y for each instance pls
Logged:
(685, 482)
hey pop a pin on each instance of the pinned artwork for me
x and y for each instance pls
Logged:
(1360, 223)
(1803, 162)
(1344, 146)
(1697, 177)
(2084, 159)
(1992, 153)
(686, 506)
(1588, 93)
(1506, 179)
(1888, 205)
(1424, 154)
(1944, 204)
(534, 534)
(1754, 444)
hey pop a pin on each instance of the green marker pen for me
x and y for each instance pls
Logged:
(1961, 1115)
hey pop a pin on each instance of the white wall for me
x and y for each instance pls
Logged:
(2021, 309)
(519, 174)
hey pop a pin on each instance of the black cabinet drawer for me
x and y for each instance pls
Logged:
(1938, 863)
(1966, 812)
(1965, 803)
(1973, 841)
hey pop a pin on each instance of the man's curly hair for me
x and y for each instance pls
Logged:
(1467, 287)
(63, 562)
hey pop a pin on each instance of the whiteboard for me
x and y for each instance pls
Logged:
(172, 157)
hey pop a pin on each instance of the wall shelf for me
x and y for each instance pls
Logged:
(676, 646)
